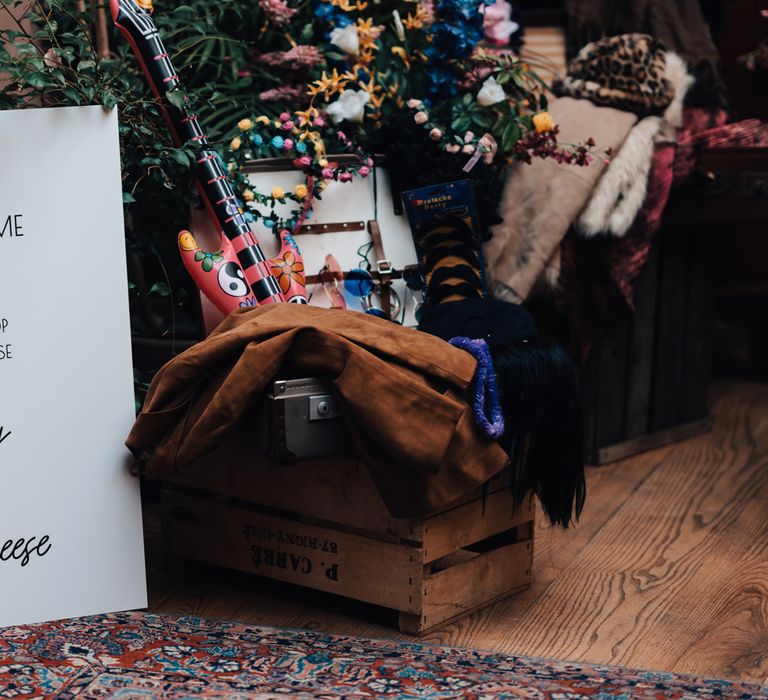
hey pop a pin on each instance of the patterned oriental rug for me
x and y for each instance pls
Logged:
(136, 655)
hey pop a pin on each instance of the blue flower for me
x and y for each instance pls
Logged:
(341, 20)
(257, 140)
(301, 147)
(324, 10)
(277, 141)
(441, 83)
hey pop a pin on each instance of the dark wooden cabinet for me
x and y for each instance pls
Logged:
(647, 378)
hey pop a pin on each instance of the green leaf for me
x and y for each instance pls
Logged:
(207, 264)
(161, 289)
(128, 198)
(37, 80)
(108, 101)
(181, 157)
(177, 98)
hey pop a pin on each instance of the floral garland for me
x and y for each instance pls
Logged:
(539, 140)
(302, 138)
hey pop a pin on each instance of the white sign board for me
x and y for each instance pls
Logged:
(70, 517)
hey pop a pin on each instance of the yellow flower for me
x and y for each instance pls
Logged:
(543, 122)
(262, 120)
(236, 143)
(399, 51)
(278, 192)
(307, 116)
(248, 196)
(329, 84)
(300, 191)
(322, 162)
(245, 124)
(317, 142)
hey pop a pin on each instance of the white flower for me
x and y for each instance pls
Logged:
(490, 93)
(350, 106)
(346, 39)
(399, 28)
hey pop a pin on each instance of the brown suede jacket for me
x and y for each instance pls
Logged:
(404, 396)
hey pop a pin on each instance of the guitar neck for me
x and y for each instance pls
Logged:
(137, 25)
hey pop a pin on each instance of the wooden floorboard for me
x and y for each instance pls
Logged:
(667, 570)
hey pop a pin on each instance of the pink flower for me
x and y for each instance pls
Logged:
(420, 117)
(500, 32)
(300, 56)
(497, 23)
(345, 177)
(435, 134)
(364, 171)
(468, 149)
(284, 93)
(327, 173)
(452, 147)
(302, 163)
(490, 145)
(415, 104)
(369, 162)
(288, 125)
(318, 122)
(342, 136)
(277, 11)
(284, 117)
(468, 136)
(428, 9)
(288, 144)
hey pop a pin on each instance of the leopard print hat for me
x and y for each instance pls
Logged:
(625, 72)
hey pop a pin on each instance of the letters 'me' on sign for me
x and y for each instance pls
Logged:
(70, 517)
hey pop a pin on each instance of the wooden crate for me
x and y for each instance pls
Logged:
(324, 526)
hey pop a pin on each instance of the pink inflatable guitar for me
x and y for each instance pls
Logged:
(239, 274)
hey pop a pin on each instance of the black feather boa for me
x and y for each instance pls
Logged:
(540, 398)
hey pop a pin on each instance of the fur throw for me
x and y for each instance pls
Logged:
(625, 72)
(621, 191)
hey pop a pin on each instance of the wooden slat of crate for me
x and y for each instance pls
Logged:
(480, 581)
(394, 575)
(699, 325)
(670, 329)
(472, 522)
(332, 490)
(287, 550)
(612, 358)
(643, 333)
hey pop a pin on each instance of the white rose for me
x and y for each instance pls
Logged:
(350, 106)
(399, 28)
(490, 93)
(346, 39)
